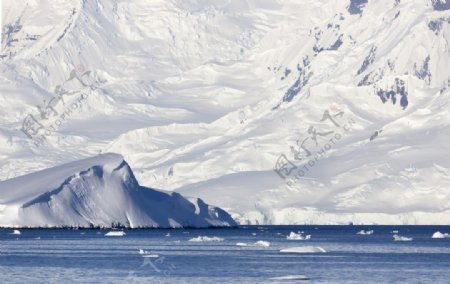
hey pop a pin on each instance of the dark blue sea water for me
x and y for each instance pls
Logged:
(87, 256)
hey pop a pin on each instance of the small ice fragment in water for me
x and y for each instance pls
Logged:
(115, 234)
(262, 244)
(402, 239)
(362, 232)
(300, 236)
(206, 239)
(305, 249)
(145, 253)
(16, 232)
(291, 277)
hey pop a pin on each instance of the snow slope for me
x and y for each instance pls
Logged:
(99, 191)
(205, 98)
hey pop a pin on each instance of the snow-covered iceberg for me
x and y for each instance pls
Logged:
(99, 192)
(439, 235)
(300, 236)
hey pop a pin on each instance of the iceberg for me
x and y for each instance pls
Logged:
(362, 232)
(399, 238)
(115, 234)
(265, 244)
(439, 235)
(101, 191)
(16, 232)
(300, 236)
(262, 244)
(206, 239)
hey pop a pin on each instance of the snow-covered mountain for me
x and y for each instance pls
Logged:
(277, 111)
(98, 192)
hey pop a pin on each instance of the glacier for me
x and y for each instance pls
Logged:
(204, 98)
(99, 192)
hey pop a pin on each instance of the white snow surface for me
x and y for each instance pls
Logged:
(98, 191)
(202, 98)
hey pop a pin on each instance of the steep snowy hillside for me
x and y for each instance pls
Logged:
(277, 111)
(99, 191)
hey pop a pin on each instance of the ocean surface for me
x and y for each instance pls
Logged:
(173, 256)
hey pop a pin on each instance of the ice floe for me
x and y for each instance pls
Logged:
(262, 244)
(362, 232)
(206, 239)
(115, 234)
(401, 238)
(291, 277)
(304, 249)
(265, 244)
(298, 236)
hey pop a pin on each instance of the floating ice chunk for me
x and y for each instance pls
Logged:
(16, 232)
(290, 277)
(402, 239)
(265, 244)
(168, 235)
(254, 234)
(300, 236)
(206, 239)
(145, 253)
(395, 232)
(115, 234)
(151, 255)
(439, 235)
(362, 232)
(305, 249)
(262, 244)
(38, 238)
